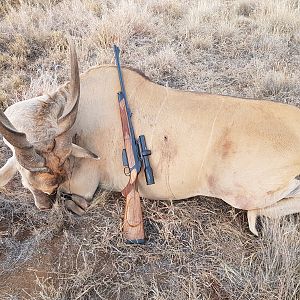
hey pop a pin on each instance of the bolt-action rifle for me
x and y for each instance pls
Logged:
(134, 155)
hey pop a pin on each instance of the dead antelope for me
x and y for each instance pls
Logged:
(243, 151)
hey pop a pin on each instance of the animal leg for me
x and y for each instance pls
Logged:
(286, 206)
(75, 203)
(8, 171)
(79, 190)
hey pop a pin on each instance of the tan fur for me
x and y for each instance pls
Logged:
(246, 152)
(8, 171)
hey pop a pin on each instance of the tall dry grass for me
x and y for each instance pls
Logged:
(197, 249)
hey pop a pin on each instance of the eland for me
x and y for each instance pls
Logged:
(245, 152)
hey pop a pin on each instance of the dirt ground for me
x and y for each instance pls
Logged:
(196, 249)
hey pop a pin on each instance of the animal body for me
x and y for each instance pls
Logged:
(246, 152)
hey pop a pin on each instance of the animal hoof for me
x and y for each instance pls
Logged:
(75, 203)
(70, 205)
(80, 201)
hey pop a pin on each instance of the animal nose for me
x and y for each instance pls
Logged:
(52, 192)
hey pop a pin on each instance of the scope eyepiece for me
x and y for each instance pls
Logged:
(144, 153)
(149, 175)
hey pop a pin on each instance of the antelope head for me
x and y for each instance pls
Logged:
(39, 133)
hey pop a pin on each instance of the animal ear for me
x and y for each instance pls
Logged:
(8, 171)
(24, 151)
(78, 151)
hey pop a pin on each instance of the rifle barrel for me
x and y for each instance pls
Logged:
(122, 96)
(117, 60)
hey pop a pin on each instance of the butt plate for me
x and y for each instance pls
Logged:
(134, 242)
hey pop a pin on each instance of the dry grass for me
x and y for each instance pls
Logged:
(200, 249)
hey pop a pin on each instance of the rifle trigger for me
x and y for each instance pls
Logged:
(120, 96)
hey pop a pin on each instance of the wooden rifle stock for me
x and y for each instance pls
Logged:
(133, 226)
